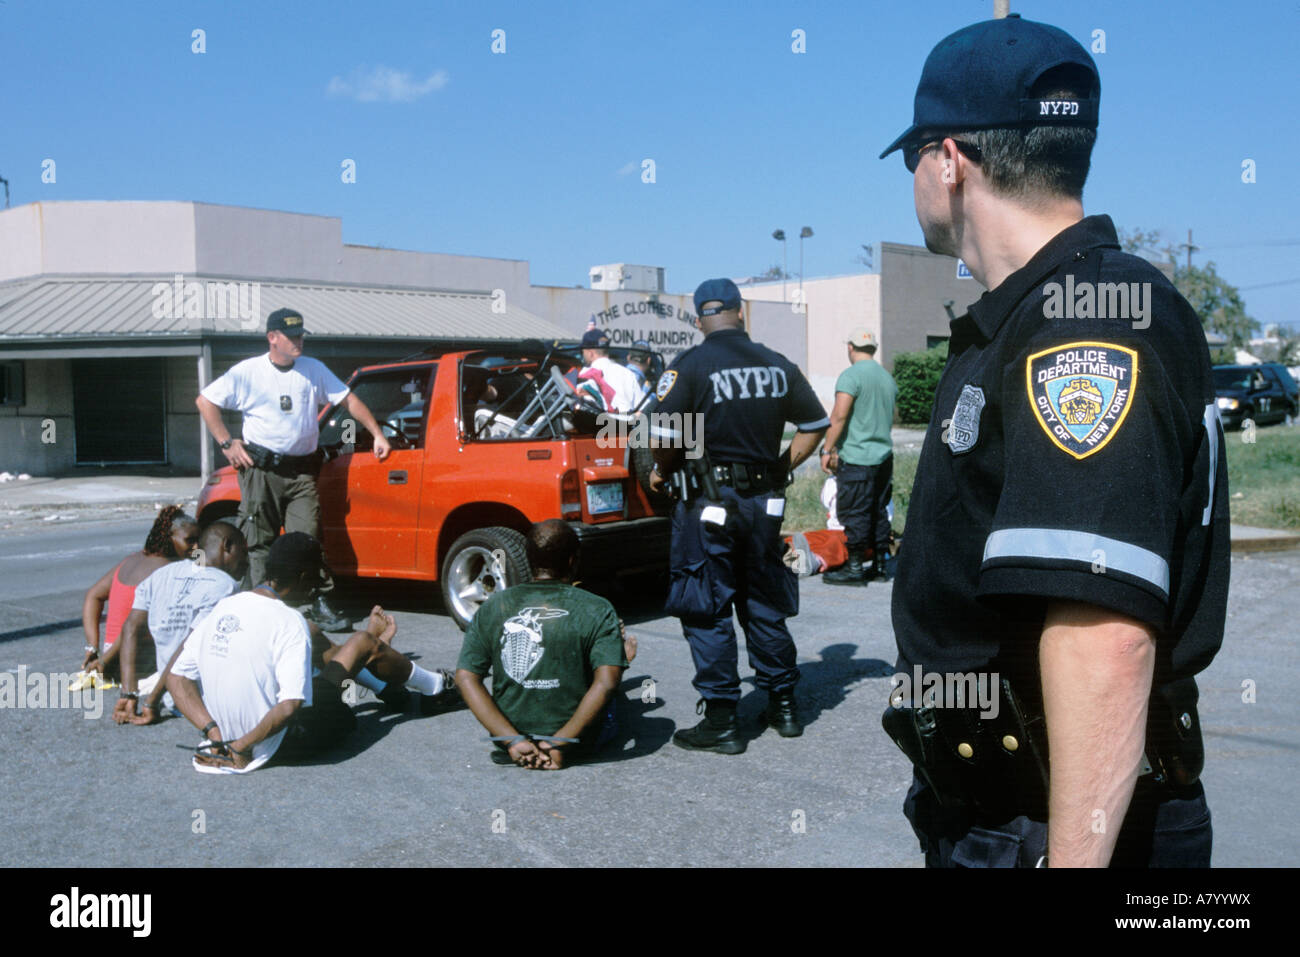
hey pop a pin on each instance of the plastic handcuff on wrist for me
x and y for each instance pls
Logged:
(508, 740)
(220, 746)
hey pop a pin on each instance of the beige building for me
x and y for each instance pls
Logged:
(902, 303)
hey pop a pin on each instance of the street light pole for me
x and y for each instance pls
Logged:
(779, 235)
(803, 234)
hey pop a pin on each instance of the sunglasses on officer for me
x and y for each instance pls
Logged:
(912, 154)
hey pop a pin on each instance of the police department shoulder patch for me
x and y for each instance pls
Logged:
(1081, 393)
(964, 429)
(665, 384)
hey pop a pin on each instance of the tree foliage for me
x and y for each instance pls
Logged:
(917, 375)
(1216, 301)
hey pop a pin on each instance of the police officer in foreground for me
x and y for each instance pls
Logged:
(280, 394)
(1067, 539)
(726, 526)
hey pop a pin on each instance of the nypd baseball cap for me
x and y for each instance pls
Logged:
(288, 321)
(716, 290)
(640, 348)
(595, 339)
(980, 78)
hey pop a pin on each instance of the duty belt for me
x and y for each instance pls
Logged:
(264, 458)
(746, 477)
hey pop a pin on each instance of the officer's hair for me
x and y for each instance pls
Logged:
(551, 547)
(1039, 162)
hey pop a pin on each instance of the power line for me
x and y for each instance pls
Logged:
(1265, 285)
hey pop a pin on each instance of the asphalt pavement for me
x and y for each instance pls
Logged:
(410, 790)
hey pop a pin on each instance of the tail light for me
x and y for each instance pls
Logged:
(570, 494)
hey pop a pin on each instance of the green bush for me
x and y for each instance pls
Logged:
(917, 375)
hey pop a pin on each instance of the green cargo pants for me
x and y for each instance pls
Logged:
(269, 501)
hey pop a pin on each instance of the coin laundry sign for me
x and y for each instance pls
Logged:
(1082, 392)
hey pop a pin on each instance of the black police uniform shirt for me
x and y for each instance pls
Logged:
(1072, 454)
(746, 392)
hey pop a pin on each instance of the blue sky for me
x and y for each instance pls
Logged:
(537, 153)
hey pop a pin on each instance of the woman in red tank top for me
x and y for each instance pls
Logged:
(173, 535)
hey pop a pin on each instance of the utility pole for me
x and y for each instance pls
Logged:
(779, 236)
(1190, 249)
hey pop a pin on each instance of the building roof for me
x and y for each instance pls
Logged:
(53, 308)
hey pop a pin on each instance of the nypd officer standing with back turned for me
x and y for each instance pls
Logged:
(726, 532)
(280, 394)
(1067, 541)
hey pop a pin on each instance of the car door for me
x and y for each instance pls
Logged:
(371, 509)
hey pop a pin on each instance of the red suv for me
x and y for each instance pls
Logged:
(487, 439)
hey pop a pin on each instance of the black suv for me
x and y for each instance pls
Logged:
(1265, 392)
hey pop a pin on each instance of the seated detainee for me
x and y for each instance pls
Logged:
(261, 696)
(556, 654)
(167, 604)
(172, 536)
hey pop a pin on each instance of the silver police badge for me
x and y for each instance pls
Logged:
(964, 429)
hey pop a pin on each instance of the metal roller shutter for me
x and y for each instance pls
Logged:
(119, 411)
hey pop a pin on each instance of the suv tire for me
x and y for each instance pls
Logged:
(478, 565)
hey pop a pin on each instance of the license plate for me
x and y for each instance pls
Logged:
(606, 498)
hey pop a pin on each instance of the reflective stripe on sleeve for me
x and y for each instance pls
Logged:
(813, 426)
(1065, 545)
(1212, 431)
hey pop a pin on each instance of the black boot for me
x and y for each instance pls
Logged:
(783, 714)
(328, 617)
(719, 731)
(880, 569)
(852, 572)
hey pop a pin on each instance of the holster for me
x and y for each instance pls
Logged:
(1006, 769)
(991, 764)
(286, 465)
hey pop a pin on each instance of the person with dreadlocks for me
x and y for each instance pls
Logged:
(173, 535)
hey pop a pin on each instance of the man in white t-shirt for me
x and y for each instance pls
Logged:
(595, 355)
(281, 394)
(166, 606)
(264, 692)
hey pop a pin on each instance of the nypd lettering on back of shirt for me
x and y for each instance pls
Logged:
(749, 382)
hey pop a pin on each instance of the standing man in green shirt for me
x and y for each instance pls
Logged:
(860, 454)
(556, 654)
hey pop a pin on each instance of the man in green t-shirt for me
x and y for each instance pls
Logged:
(859, 452)
(556, 654)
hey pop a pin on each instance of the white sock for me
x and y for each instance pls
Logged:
(368, 680)
(425, 682)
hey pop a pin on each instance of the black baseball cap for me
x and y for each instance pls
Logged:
(294, 553)
(716, 290)
(980, 78)
(595, 339)
(288, 321)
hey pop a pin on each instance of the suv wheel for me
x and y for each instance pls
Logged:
(478, 565)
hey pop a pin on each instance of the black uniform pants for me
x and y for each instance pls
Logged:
(727, 556)
(1164, 827)
(862, 494)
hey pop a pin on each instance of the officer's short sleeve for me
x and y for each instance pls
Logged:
(1096, 441)
(673, 392)
(226, 391)
(805, 409)
(329, 387)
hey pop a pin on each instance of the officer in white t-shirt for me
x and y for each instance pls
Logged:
(265, 693)
(165, 608)
(281, 394)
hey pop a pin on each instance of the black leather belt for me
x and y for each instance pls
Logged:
(747, 477)
(264, 458)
